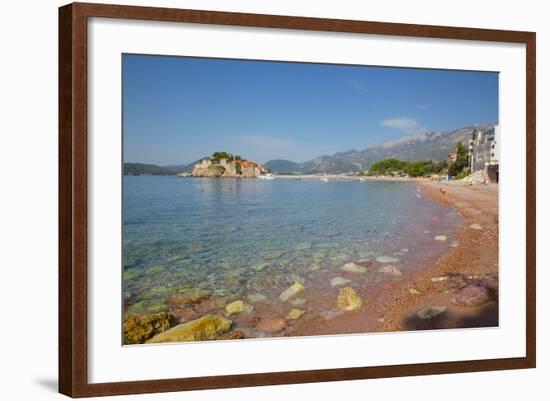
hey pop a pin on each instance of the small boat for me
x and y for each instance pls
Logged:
(324, 179)
(267, 176)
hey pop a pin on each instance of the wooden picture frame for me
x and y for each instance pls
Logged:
(73, 198)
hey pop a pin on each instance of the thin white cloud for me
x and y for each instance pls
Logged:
(405, 124)
(360, 87)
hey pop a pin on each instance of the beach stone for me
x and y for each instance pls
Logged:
(454, 244)
(302, 246)
(426, 231)
(429, 313)
(476, 226)
(439, 279)
(256, 297)
(390, 270)
(330, 314)
(295, 314)
(386, 259)
(441, 238)
(404, 249)
(260, 266)
(338, 281)
(473, 295)
(271, 325)
(233, 335)
(298, 301)
(208, 327)
(138, 329)
(292, 291)
(236, 307)
(273, 255)
(353, 268)
(188, 297)
(348, 299)
(414, 291)
(365, 262)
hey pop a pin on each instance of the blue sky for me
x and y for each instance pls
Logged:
(179, 109)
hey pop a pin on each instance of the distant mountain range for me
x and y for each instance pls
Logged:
(154, 169)
(426, 146)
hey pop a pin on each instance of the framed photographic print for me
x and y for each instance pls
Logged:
(276, 199)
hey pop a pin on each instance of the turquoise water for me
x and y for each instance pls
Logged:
(235, 237)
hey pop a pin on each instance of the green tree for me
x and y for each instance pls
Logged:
(460, 165)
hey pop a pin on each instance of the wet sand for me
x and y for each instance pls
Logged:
(393, 304)
(475, 258)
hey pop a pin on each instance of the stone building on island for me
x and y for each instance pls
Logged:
(224, 165)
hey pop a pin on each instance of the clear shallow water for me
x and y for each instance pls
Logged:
(241, 236)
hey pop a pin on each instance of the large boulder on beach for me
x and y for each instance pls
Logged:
(138, 329)
(348, 299)
(208, 327)
(472, 295)
(292, 291)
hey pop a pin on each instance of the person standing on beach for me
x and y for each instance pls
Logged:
(445, 195)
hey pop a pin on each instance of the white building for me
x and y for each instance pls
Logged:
(484, 151)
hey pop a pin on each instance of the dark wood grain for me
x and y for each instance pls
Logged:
(73, 198)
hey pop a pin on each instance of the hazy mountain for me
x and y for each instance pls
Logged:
(426, 146)
(153, 169)
(283, 166)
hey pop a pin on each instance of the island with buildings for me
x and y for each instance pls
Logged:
(225, 165)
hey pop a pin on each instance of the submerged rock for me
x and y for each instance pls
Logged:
(237, 307)
(302, 246)
(476, 226)
(441, 238)
(292, 291)
(138, 329)
(365, 262)
(338, 281)
(330, 314)
(454, 244)
(233, 335)
(295, 314)
(348, 299)
(353, 268)
(208, 327)
(260, 266)
(298, 301)
(390, 270)
(473, 295)
(188, 297)
(429, 313)
(256, 297)
(271, 325)
(386, 259)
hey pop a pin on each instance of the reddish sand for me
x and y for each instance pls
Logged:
(475, 258)
(393, 305)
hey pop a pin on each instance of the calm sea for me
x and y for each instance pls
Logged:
(235, 237)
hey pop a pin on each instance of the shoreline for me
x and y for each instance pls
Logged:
(474, 262)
